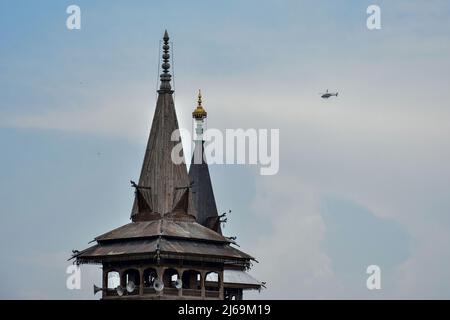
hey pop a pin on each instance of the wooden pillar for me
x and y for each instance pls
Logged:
(104, 283)
(221, 281)
(104, 279)
(160, 272)
(122, 282)
(141, 281)
(202, 281)
(180, 276)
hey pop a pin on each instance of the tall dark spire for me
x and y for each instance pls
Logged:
(165, 75)
(163, 187)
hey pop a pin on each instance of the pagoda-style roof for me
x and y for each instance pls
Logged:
(163, 247)
(163, 227)
(184, 239)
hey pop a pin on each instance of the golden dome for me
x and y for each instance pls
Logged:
(199, 112)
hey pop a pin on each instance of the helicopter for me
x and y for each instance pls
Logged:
(327, 94)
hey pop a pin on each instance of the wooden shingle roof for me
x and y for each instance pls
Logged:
(163, 227)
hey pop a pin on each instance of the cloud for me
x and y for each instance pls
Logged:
(43, 276)
(425, 274)
(118, 117)
(292, 256)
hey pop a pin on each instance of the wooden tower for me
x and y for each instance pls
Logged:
(173, 248)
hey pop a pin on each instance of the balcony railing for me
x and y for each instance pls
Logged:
(192, 292)
(168, 291)
(171, 291)
(149, 290)
(212, 294)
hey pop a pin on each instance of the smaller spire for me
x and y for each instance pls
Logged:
(165, 76)
(199, 112)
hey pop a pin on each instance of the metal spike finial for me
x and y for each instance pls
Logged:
(165, 76)
(199, 97)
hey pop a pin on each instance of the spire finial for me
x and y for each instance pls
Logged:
(200, 98)
(199, 112)
(165, 76)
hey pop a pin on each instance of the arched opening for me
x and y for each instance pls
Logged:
(113, 280)
(170, 278)
(212, 284)
(150, 276)
(212, 281)
(192, 283)
(131, 281)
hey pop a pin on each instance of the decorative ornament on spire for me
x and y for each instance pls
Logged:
(165, 75)
(199, 116)
(199, 112)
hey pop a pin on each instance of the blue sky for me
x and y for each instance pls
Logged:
(363, 178)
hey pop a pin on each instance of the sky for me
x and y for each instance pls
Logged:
(364, 178)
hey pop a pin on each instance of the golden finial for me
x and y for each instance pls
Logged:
(199, 112)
